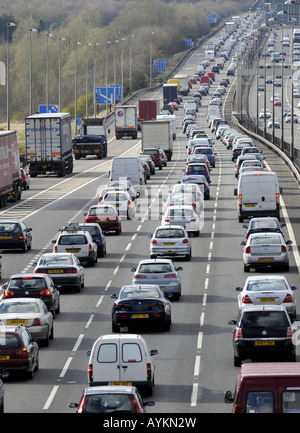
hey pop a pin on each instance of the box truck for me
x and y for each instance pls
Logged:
(10, 178)
(148, 109)
(158, 134)
(126, 124)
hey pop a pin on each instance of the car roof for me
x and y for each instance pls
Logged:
(25, 300)
(169, 227)
(270, 369)
(266, 277)
(27, 275)
(141, 262)
(250, 308)
(111, 389)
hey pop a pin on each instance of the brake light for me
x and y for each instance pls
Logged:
(71, 271)
(153, 241)
(8, 294)
(238, 334)
(139, 276)
(288, 298)
(137, 409)
(185, 241)
(21, 237)
(148, 371)
(122, 305)
(141, 181)
(39, 271)
(55, 249)
(24, 353)
(289, 332)
(128, 204)
(248, 250)
(246, 300)
(36, 322)
(81, 406)
(90, 372)
(283, 249)
(90, 248)
(193, 219)
(45, 292)
(170, 276)
(156, 305)
(167, 220)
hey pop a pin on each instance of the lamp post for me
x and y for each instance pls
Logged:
(8, 25)
(151, 61)
(87, 81)
(106, 75)
(49, 35)
(115, 102)
(59, 75)
(130, 64)
(122, 70)
(30, 70)
(95, 45)
(76, 44)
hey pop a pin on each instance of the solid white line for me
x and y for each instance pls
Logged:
(51, 397)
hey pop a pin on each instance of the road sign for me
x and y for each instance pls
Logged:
(188, 42)
(213, 19)
(51, 108)
(101, 94)
(118, 91)
(159, 66)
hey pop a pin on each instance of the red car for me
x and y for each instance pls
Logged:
(174, 105)
(156, 154)
(106, 216)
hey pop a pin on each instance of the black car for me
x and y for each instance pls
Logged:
(262, 331)
(98, 236)
(34, 286)
(3, 374)
(15, 235)
(141, 304)
(261, 225)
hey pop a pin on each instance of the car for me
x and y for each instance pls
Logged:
(237, 150)
(149, 161)
(174, 105)
(265, 224)
(262, 331)
(268, 290)
(276, 123)
(288, 118)
(113, 398)
(76, 240)
(98, 236)
(261, 88)
(254, 164)
(265, 114)
(144, 304)
(65, 270)
(19, 350)
(266, 249)
(31, 313)
(198, 168)
(182, 198)
(146, 168)
(200, 180)
(170, 241)
(161, 272)
(31, 285)
(15, 235)
(120, 184)
(122, 201)
(183, 215)
(163, 157)
(208, 151)
(3, 374)
(189, 188)
(106, 216)
(156, 154)
(25, 178)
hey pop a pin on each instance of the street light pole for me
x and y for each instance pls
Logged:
(8, 25)
(30, 71)
(130, 63)
(106, 76)
(151, 61)
(59, 75)
(76, 43)
(86, 82)
(115, 102)
(95, 45)
(122, 71)
(49, 35)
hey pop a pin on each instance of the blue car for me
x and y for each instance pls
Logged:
(208, 152)
(98, 237)
(198, 168)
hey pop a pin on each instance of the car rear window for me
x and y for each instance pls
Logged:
(266, 285)
(19, 307)
(154, 268)
(270, 224)
(9, 228)
(139, 292)
(101, 403)
(264, 319)
(9, 341)
(169, 233)
(180, 213)
(103, 211)
(262, 240)
(72, 240)
(56, 260)
(115, 197)
(27, 283)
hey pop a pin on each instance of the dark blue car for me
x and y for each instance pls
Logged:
(208, 152)
(198, 168)
(98, 237)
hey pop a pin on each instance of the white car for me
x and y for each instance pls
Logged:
(122, 201)
(184, 216)
(268, 290)
(266, 112)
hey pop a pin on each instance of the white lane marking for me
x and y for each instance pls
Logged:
(51, 397)
(77, 344)
(66, 366)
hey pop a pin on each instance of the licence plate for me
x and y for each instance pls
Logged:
(101, 221)
(267, 299)
(6, 237)
(4, 357)
(73, 251)
(265, 343)
(266, 259)
(250, 205)
(121, 383)
(44, 167)
(55, 271)
(17, 322)
(140, 316)
(169, 243)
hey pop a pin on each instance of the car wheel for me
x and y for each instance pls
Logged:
(167, 325)
(286, 267)
(115, 327)
(188, 257)
(160, 167)
(237, 361)
(246, 268)
(24, 247)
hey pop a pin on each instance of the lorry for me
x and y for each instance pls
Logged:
(92, 138)
(49, 144)
(126, 122)
(169, 118)
(158, 134)
(148, 109)
(170, 93)
(175, 81)
(231, 26)
(10, 175)
(184, 83)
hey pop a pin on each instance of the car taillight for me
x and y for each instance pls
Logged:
(90, 248)
(55, 249)
(248, 250)
(8, 294)
(71, 271)
(185, 241)
(289, 332)
(288, 298)
(139, 276)
(246, 300)
(21, 237)
(238, 334)
(148, 371)
(170, 276)
(277, 199)
(122, 305)
(156, 305)
(137, 409)
(166, 219)
(153, 241)
(283, 249)
(141, 181)
(90, 372)
(36, 322)
(128, 205)
(193, 219)
(24, 353)
(81, 406)
(39, 271)
(45, 292)
(240, 200)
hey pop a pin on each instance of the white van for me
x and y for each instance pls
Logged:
(121, 359)
(258, 195)
(130, 168)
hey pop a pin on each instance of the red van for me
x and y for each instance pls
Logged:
(266, 387)
(204, 79)
(211, 75)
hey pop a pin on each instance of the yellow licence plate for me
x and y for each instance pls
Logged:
(6, 237)
(73, 251)
(266, 259)
(121, 383)
(55, 271)
(265, 343)
(4, 357)
(267, 299)
(169, 243)
(250, 205)
(140, 316)
(17, 321)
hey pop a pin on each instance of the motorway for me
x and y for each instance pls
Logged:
(194, 365)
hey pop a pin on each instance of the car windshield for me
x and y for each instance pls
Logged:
(9, 341)
(10, 228)
(19, 307)
(93, 230)
(266, 285)
(169, 233)
(206, 151)
(262, 240)
(140, 293)
(56, 260)
(151, 151)
(27, 283)
(72, 240)
(102, 403)
(264, 319)
(102, 211)
(155, 268)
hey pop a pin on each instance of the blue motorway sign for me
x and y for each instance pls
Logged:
(212, 19)
(101, 94)
(159, 66)
(51, 108)
(188, 42)
(118, 91)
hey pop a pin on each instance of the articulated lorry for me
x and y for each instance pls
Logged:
(49, 144)
(10, 179)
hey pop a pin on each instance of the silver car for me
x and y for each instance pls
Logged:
(266, 249)
(268, 290)
(161, 272)
(29, 312)
(170, 241)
